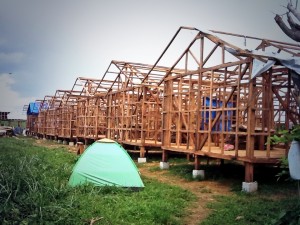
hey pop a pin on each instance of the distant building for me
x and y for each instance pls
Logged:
(3, 115)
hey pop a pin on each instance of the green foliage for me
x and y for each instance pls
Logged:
(286, 136)
(284, 169)
(34, 190)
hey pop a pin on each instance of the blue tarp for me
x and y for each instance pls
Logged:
(33, 108)
(216, 104)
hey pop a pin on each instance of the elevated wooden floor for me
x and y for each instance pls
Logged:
(259, 156)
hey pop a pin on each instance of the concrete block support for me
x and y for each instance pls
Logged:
(142, 160)
(65, 142)
(59, 141)
(71, 143)
(249, 186)
(164, 165)
(198, 174)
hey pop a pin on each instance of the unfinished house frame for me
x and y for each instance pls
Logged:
(134, 105)
(67, 115)
(32, 117)
(54, 115)
(216, 100)
(223, 107)
(42, 117)
(31, 124)
(89, 119)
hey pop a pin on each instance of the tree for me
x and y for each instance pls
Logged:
(294, 30)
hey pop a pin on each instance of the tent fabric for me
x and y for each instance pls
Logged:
(106, 163)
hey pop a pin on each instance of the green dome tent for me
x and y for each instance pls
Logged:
(105, 162)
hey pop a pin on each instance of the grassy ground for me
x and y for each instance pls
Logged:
(34, 190)
(275, 202)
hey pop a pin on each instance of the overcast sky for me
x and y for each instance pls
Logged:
(46, 45)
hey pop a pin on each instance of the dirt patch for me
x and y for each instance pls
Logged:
(53, 145)
(203, 190)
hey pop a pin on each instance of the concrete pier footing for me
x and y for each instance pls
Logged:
(249, 186)
(198, 174)
(142, 160)
(164, 165)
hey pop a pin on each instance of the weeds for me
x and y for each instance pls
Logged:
(34, 190)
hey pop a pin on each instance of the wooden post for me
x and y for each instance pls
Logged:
(188, 157)
(96, 118)
(142, 151)
(144, 91)
(249, 168)
(250, 121)
(250, 131)
(108, 117)
(80, 148)
(167, 117)
(197, 162)
(165, 156)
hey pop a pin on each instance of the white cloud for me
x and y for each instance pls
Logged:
(10, 100)
(13, 57)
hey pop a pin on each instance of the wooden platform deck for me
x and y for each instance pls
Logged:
(259, 156)
(146, 143)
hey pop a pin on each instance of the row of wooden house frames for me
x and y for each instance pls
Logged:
(206, 104)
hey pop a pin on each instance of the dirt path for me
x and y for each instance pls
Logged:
(203, 190)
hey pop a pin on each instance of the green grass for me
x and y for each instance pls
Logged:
(276, 202)
(34, 190)
(242, 208)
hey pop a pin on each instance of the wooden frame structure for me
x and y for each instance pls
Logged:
(31, 124)
(53, 121)
(134, 105)
(89, 117)
(32, 118)
(210, 102)
(217, 103)
(42, 117)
